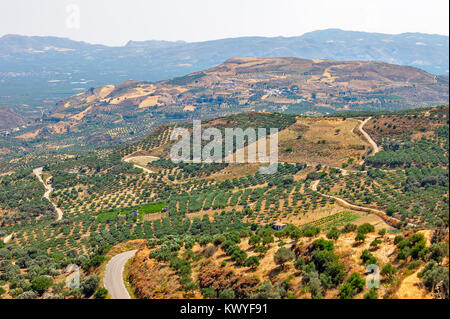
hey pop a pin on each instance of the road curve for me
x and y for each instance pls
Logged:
(113, 280)
(374, 145)
(153, 158)
(48, 191)
(389, 220)
(8, 238)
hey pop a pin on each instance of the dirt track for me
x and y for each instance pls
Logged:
(137, 158)
(372, 143)
(389, 220)
(48, 191)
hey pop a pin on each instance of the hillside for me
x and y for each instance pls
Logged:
(9, 119)
(258, 84)
(116, 114)
(285, 84)
(206, 230)
(41, 63)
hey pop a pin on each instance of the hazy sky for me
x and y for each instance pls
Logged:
(114, 22)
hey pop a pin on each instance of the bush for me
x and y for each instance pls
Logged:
(239, 256)
(209, 293)
(209, 251)
(372, 294)
(366, 228)
(90, 285)
(388, 271)
(348, 228)
(436, 278)
(375, 243)
(227, 294)
(268, 291)
(352, 286)
(368, 258)
(28, 295)
(323, 244)
(282, 256)
(310, 231)
(41, 284)
(398, 239)
(333, 233)
(254, 240)
(360, 237)
(101, 293)
(299, 263)
(438, 252)
(252, 262)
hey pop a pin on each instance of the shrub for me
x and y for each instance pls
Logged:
(372, 294)
(323, 244)
(366, 228)
(333, 233)
(252, 262)
(209, 293)
(209, 251)
(360, 237)
(101, 293)
(90, 285)
(352, 286)
(348, 228)
(41, 284)
(388, 271)
(28, 295)
(267, 291)
(227, 294)
(299, 263)
(368, 258)
(282, 256)
(375, 242)
(436, 278)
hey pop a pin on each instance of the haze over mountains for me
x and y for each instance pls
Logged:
(54, 68)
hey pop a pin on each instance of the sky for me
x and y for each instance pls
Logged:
(115, 22)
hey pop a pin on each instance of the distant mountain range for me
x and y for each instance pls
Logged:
(53, 68)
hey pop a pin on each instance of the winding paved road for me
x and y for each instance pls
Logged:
(113, 280)
(48, 190)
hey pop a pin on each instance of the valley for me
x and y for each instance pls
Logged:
(350, 190)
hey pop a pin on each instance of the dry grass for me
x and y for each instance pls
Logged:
(341, 141)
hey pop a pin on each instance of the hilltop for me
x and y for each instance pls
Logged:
(272, 84)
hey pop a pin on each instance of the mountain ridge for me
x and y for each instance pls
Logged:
(284, 85)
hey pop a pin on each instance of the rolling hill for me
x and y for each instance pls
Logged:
(262, 84)
(225, 231)
(54, 68)
(115, 114)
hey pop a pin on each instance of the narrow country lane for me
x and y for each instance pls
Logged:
(374, 145)
(113, 280)
(389, 220)
(48, 191)
(151, 158)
